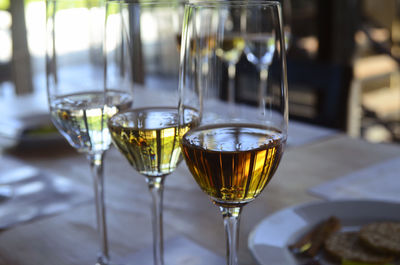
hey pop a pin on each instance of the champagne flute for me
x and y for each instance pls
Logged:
(79, 103)
(147, 134)
(236, 149)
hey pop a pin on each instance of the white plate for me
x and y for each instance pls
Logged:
(269, 239)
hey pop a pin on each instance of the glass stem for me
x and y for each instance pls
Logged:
(96, 165)
(156, 187)
(261, 89)
(231, 217)
(231, 84)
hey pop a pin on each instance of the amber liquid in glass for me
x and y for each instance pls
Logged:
(233, 163)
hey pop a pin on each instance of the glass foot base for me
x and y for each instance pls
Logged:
(5, 193)
(106, 261)
(178, 251)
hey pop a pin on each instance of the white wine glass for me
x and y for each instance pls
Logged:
(79, 103)
(231, 48)
(147, 135)
(260, 47)
(235, 150)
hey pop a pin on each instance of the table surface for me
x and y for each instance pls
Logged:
(71, 238)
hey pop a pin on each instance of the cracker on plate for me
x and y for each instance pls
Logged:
(347, 246)
(382, 236)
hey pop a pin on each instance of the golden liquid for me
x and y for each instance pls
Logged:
(204, 46)
(233, 163)
(82, 117)
(149, 138)
(231, 49)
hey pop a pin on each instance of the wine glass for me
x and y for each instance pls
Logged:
(231, 48)
(259, 47)
(79, 103)
(147, 134)
(236, 148)
(287, 21)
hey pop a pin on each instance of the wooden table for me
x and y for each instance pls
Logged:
(70, 237)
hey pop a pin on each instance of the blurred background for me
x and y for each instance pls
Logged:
(343, 61)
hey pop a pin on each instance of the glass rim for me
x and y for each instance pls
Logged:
(72, 2)
(145, 3)
(235, 3)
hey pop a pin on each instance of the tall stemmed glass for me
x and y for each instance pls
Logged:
(79, 103)
(231, 48)
(147, 135)
(236, 149)
(260, 48)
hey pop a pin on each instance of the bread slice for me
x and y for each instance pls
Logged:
(312, 242)
(382, 236)
(347, 246)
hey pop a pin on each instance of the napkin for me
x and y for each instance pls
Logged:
(380, 181)
(30, 193)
